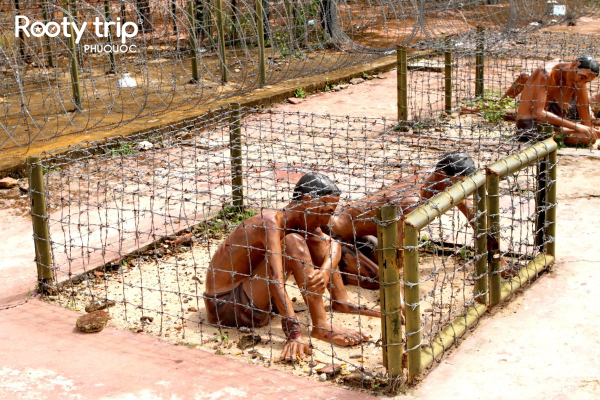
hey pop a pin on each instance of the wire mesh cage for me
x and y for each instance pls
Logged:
(173, 231)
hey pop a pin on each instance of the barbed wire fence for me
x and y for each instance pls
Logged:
(138, 226)
(195, 52)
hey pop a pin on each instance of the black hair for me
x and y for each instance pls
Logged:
(588, 62)
(456, 164)
(315, 185)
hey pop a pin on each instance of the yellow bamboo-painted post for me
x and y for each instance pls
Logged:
(46, 38)
(544, 131)
(235, 152)
(447, 79)
(412, 299)
(111, 55)
(39, 216)
(402, 71)
(75, 82)
(262, 69)
(481, 283)
(221, 33)
(390, 289)
(479, 62)
(551, 202)
(493, 222)
(193, 43)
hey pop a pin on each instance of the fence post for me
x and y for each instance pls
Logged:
(412, 299)
(402, 72)
(46, 38)
(221, 33)
(111, 55)
(493, 222)
(481, 284)
(544, 130)
(390, 290)
(75, 82)
(235, 151)
(193, 43)
(447, 80)
(551, 203)
(262, 72)
(479, 62)
(41, 235)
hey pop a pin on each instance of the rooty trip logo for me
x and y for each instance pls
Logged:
(101, 30)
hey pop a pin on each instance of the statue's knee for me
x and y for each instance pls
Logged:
(294, 245)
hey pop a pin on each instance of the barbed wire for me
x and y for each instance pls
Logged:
(186, 57)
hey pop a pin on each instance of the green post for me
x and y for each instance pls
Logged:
(75, 82)
(493, 222)
(235, 151)
(111, 55)
(46, 38)
(41, 235)
(447, 81)
(481, 284)
(262, 70)
(221, 33)
(479, 62)
(551, 202)
(402, 71)
(193, 43)
(412, 299)
(390, 289)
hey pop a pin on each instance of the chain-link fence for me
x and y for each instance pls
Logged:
(70, 67)
(221, 233)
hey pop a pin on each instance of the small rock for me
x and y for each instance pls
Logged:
(344, 86)
(294, 100)
(92, 322)
(99, 305)
(8, 182)
(331, 369)
(381, 77)
(192, 309)
(356, 81)
(144, 146)
(322, 377)
(355, 356)
(237, 70)
(195, 278)
(370, 77)
(248, 341)
(146, 319)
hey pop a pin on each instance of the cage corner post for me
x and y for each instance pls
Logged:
(551, 204)
(390, 290)
(480, 63)
(39, 217)
(493, 224)
(235, 151)
(412, 301)
(402, 71)
(262, 68)
(73, 54)
(481, 285)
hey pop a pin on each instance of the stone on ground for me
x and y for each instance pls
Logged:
(356, 81)
(294, 100)
(92, 322)
(8, 182)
